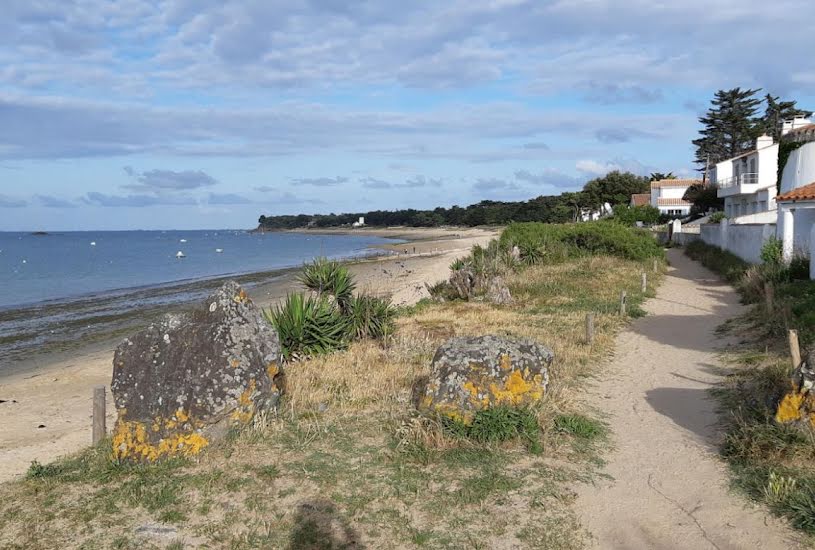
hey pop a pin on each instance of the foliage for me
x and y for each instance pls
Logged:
(328, 277)
(658, 176)
(580, 426)
(717, 217)
(785, 149)
(614, 188)
(499, 424)
(309, 325)
(371, 317)
(726, 264)
(772, 251)
(630, 215)
(703, 197)
(776, 112)
(554, 243)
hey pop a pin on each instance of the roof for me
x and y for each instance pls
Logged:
(805, 193)
(640, 199)
(806, 128)
(672, 202)
(673, 183)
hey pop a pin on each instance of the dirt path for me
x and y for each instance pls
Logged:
(668, 489)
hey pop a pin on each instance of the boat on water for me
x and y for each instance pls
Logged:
(180, 255)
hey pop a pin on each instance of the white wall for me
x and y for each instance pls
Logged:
(672, 192)
(762, 217)
(743, 240)
(800, 168)
(768, 166)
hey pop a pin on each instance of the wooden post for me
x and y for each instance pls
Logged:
(795, 350)
(644, 282)
(769, 296)
(589, 328)
(98, 414)
(656, 268)
(623, 298)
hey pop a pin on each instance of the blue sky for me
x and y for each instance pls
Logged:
(202, 114)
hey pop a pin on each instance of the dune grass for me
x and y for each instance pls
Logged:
(346, 463)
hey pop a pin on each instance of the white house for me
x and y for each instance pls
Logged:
(666, 195)
(747, 183)
(796, 201)
(359, 223)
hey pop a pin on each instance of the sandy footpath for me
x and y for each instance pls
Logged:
(45, 408)
(668, 489)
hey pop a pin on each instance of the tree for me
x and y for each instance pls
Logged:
(776, 112)
(614, 188)
(630, 215)
(729, 127)
(657, 176)
(703, 197)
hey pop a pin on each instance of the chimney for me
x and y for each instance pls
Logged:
(763, 141)
(790, 125)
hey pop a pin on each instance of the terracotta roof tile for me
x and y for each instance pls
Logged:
(806, 128)
(805, 193)
(673, 183)
(640, 199)
(672, 202)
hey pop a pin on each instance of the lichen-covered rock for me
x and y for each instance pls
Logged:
(470, 374)
(184, 380)
(798, 406)
(498, 292)
(463, 282)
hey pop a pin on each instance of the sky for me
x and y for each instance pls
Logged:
(183, 114)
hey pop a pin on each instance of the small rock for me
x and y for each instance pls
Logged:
(157, 530)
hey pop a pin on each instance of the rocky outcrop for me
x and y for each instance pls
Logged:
(463, 283)
(798, 406)
(470, 374)
(183, 381)
(498, 292)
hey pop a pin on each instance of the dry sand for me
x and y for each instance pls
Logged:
(669, 490)
(55, 393)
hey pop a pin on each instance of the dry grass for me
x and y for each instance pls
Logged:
(346, 463)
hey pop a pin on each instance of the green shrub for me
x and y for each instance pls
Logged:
(328, 277)
(557, 242)
(580, 426)
(630, 215)
(370, 317)
(772, 251)
(717, 217)
(309, 326)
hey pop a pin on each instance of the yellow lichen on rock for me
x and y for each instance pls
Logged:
(246, 406)
(790, 407)
(517, 390)
(131, 440)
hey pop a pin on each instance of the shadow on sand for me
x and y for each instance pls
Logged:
(318, 526)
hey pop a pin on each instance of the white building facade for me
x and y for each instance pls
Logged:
(748, 183)
(666, 196)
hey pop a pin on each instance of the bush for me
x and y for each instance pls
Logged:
(309, 326)
(717, 217)
(630, 215)
(555, 243)
(772, 251)
(330, 277)
(370, 317)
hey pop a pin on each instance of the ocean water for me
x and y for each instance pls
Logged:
(60, 287)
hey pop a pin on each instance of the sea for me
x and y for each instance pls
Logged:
(60, 289)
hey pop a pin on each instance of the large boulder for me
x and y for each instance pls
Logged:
(186, 379)
(470, 374)
(797, 407)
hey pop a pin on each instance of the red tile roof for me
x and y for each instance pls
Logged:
(806, 128)
(673, 183)
(640, 199)
(805, 193)
(672, 202)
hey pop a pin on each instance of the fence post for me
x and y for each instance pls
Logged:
(98, 414)
(623, 299)
(655, 265)
(769, 296)
(644, 282)
(795, 350)
(590, 328)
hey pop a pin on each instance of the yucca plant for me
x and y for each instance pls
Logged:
(371, 317)
(309, 325)
(329, 277)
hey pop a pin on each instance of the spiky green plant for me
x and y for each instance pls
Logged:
(309, 325)
(370, 317)
(328, 277)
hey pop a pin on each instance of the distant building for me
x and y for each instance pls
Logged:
(359, 223)
(640, 199)
(666, 196)
(747, 182)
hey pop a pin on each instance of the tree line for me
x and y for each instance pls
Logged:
(615, 188)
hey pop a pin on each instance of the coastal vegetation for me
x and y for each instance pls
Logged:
(614, 188)
(771, 462)
(346, 459)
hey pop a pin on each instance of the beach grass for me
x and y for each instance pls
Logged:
(346, 462)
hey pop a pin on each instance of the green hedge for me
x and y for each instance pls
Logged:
(557, 242)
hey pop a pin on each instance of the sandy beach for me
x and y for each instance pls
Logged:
(46, 403)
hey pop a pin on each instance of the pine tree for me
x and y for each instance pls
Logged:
(729, 127)
(777, 112)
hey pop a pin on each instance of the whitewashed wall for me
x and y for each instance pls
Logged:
(743, 240)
